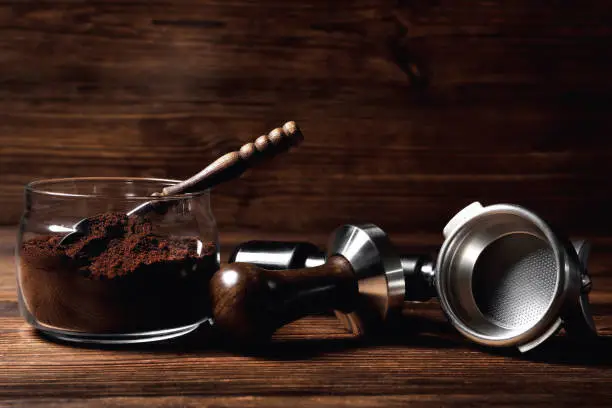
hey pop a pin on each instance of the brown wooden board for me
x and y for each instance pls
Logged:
(312, 362)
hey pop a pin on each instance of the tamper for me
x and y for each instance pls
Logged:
(361, 275)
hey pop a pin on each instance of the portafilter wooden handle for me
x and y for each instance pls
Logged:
(249, 303)
(233, 164)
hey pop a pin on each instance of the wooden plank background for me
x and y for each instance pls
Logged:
(411, 109)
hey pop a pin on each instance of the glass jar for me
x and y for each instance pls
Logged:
(125, 279)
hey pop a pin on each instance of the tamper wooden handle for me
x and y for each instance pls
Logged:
(233, 164)
(250, 303)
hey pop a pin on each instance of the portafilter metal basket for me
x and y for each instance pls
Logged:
(504, 278)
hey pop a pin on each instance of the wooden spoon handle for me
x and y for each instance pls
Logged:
(233, 164)
(249, 303)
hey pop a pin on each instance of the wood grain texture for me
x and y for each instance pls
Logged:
(393, 401)
(410, 109)
(420, 360)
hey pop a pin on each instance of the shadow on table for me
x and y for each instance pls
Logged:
(562, 350)
(409, 332)
(415, 332)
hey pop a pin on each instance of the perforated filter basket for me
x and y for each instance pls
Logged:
(505, 279)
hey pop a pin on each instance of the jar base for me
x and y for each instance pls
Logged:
(119, 338)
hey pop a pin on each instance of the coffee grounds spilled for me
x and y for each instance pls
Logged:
(119, 278)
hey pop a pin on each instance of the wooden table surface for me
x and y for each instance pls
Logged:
(312, 362)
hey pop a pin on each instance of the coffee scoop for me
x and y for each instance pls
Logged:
(502, 277)
(227, 167)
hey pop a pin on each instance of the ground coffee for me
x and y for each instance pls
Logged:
(121, 277)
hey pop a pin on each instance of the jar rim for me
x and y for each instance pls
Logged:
(44, 187)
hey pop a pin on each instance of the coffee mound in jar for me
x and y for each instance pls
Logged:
(121, 277)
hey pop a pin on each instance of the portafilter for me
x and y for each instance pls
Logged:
(502, 276)
(505, 278)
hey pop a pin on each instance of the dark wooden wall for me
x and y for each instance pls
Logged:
(411, 109)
